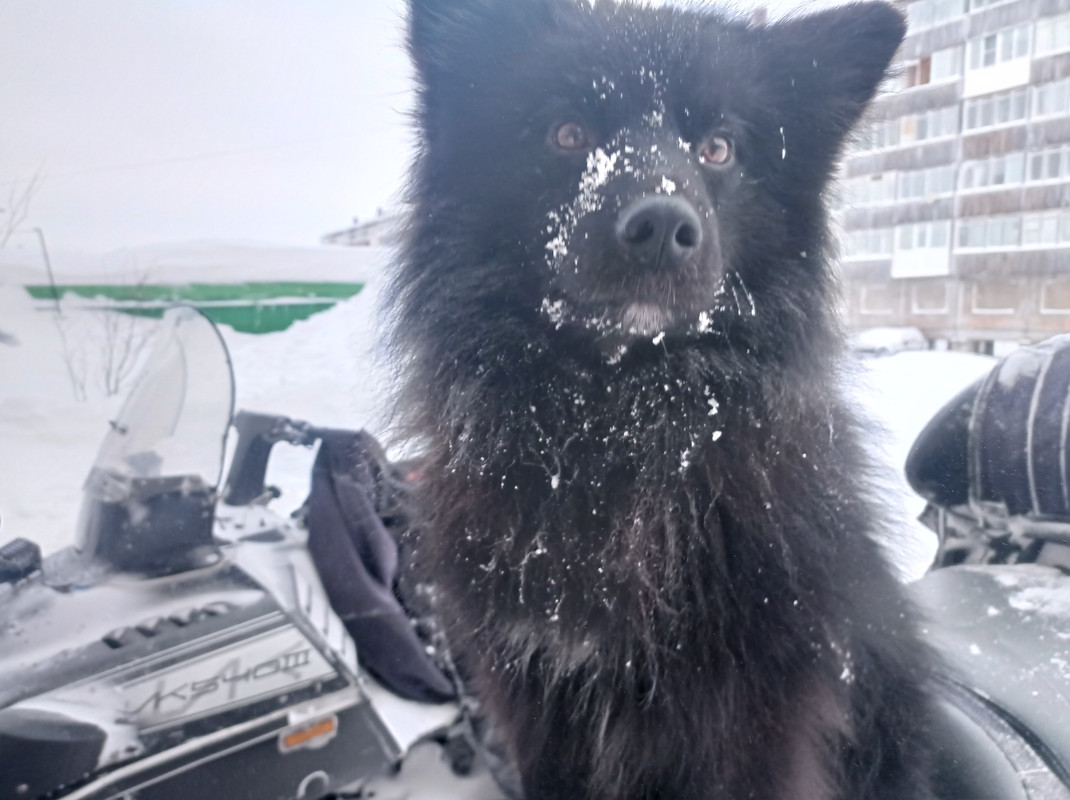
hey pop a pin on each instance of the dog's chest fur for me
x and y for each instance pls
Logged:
(609, 517)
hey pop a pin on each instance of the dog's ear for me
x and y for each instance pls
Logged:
(829, 65)
(456, 37)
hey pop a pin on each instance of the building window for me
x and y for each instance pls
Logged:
(875, 299)
(971, 234)
(1052, 99)
(869, 190)
(922, 235)
(992, 173)
(1000, 47)
(1055, 297)
(915, 73)
(888, 134)
(977, 5)
(1004, 232)
(1052, 164)
(997, 109)
(868, 243)
(912, 184)
(989, 233)
(1046, 228)
(937, 123)
(879, 137)
(929, 13)
(1053, 35)
(929, 297)
(934, 124)
(995, 297)
(946, 64)
(943, 65)
(927, 183)
(921, 249)
(869, 139)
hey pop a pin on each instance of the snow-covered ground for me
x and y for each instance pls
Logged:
(325, 370)
(899, 394)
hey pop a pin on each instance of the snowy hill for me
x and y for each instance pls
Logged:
(22, 263)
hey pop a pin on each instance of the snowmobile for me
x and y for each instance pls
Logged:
(186, 645)
(195, 643)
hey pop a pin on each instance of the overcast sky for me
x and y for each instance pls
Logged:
(154, 121)
(169, 120)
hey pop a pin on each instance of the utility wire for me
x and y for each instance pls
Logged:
(187, 159)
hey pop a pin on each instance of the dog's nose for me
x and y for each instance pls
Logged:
(659, 232)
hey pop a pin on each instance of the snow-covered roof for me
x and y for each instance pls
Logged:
(22, 263)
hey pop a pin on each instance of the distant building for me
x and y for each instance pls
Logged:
(955, 205)
(382, 229)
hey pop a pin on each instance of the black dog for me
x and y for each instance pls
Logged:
(645, 506)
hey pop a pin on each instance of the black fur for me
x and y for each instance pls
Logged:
(645, 507)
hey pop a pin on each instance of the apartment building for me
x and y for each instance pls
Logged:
(382, 229)
(955, 203)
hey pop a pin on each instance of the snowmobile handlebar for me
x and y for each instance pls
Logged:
(257, 435)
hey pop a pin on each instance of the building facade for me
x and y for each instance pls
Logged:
(955, 202)
(380, 230)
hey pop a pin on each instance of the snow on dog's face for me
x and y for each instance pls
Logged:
(637, 173)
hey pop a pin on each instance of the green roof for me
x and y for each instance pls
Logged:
(252, 307)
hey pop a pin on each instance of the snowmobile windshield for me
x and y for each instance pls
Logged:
(175, 421)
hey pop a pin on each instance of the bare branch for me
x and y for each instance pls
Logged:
(17, 208)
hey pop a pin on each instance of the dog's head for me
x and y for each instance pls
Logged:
(629, 172)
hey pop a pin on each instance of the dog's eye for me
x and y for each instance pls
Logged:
(717, 151)
(571, 136)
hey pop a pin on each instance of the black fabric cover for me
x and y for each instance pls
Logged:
(1003, 444)
(1018, 433)
(357, 559)
(938, 465)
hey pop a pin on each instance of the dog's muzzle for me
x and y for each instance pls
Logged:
(659, 233)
